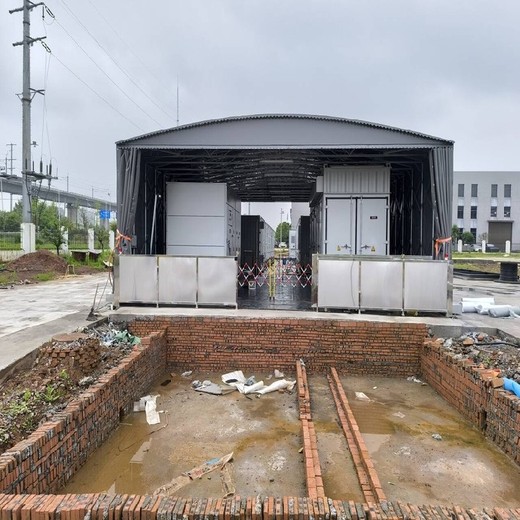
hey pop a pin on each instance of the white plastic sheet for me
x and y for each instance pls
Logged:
(470, 304)
(150, 408)
(277, 385)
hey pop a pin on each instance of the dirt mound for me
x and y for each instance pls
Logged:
(39, 262)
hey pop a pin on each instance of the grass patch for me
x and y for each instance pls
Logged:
(45, 277)
(7, 278)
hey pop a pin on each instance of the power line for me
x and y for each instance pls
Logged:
(95, 92)
(115, 61)
(123, 41)
(107, 75)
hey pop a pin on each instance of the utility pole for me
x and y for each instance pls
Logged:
(11, 167)
(26, 97)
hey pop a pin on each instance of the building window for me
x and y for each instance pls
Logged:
(473, 212)
(474, 190)
(460, 211)
(507, 211)
(473, 231)
(494, 191)
(507, 191)
(493, 211)
(461, 190)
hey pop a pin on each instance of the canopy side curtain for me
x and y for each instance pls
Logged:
(128, 178)
(441, 166)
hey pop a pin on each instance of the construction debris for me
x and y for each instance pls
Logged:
(196, 473)
(360, 396)
(228, 481)
(512, 386)
(487, 351)
(148, 404)
(237, 380)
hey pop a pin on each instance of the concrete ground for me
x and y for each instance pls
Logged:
(31, 314)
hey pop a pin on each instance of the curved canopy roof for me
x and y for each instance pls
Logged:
(283, 131)
(275, 157)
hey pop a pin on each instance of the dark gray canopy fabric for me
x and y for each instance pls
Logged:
(441, 163)
(129, 174)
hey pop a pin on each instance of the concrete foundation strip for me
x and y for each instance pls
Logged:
(366, 472)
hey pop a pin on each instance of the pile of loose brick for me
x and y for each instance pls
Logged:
(84, 356)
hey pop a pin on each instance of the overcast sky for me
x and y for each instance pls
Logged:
(444, 67)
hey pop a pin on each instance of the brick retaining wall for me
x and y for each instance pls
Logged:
(136, 507)
(477, 394)
(47, 459)
(353, 347)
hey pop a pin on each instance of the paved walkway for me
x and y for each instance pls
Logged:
(30, 315)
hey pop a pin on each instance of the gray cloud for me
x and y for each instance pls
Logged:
(441, 67)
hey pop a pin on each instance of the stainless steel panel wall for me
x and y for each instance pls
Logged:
(338, 283)
(382, 284)
(386, 283)
(178, 280)
(137, 279)
(357, 180)
(426, 285)
(217, 281)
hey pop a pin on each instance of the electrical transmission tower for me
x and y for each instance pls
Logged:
(27, 169)
(11, 160)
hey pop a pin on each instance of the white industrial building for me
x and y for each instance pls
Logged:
(487, 204)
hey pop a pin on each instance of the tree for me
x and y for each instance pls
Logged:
(102, 236)
(10, 221)
(468, 238)
(455, 233)
(55, 234)
(282, 232)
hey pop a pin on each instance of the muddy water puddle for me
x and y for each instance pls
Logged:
(264, 434)
(397, 425)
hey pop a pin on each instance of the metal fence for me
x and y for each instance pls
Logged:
(281, 273)
(78, 239)
(10, 240)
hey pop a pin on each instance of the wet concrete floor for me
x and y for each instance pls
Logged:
(397, 425)
(286, 297)
(264, 433)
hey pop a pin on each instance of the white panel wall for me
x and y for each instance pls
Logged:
(201, 220)
(357, 180)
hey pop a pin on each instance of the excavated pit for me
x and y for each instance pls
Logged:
(264, 433)
(405, 444)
